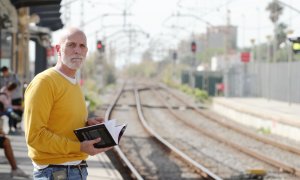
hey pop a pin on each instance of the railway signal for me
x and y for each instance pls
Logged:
(193, 46)
(100, 46)
(295, 45)
(174, 56)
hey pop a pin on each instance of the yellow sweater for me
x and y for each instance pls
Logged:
(54, 107)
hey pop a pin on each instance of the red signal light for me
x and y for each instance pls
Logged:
(193, 47)
(99, 46)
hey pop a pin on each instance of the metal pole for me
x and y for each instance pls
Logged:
(289, 46)
(193, 70)
(268, 68)
(255, 65)
(275, 44)
(290, 59)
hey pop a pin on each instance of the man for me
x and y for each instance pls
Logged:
(8, 151)
(54, 107)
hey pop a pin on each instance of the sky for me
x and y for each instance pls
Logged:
(164, 23)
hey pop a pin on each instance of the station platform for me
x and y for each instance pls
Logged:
(280, 118)
(100, 166)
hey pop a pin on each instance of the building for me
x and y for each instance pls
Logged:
(16, 30)
(222, 37)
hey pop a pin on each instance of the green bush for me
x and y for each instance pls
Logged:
(198, 94)
(186, 89)
(201, 95)
(264, 130)
(91, 103)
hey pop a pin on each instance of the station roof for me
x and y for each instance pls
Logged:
(47, 10)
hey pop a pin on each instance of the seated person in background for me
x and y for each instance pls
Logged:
(10, 77)
(5, 144)
(5, 97)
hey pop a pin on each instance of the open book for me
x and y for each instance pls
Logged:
(109, 132)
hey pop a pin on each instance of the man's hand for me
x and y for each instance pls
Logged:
(94, 121)
(88, 147)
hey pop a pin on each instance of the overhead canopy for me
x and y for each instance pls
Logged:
(49, 16)
(26, 3)
(47, 10)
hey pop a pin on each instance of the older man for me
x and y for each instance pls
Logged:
(54, 107)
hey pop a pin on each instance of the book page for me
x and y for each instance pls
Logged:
(119, 131)
(110, 126)
(114, 129)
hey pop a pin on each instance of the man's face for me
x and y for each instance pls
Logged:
(73, 50)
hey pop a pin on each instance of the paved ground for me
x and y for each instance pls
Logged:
(276, 117)
(272, 109)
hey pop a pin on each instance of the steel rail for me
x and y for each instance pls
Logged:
(222, 121)
(205, 173)
(119, 152)
(266, 159)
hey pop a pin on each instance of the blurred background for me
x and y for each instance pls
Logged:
(233, 48)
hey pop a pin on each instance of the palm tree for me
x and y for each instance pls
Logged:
(275, 11)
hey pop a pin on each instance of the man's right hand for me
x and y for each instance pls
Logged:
(88, 147)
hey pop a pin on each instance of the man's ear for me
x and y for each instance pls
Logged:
(57, 47)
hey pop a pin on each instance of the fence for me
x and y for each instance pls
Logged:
(279, 81)
(205, 80)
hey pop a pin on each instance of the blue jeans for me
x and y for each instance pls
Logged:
(71, 173)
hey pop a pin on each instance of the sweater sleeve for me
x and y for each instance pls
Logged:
(39, 99)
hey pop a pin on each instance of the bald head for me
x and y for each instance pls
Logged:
(70, 31)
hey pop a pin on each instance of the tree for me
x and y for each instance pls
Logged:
(281, 33)
(275, 11)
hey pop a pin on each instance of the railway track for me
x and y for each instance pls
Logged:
(277, 154)
(239, 158)
(146, 154)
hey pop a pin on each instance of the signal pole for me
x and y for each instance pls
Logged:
(290, 57)
(291, 51)
(67, 13)
(226, 48)
(82, 14)
(194, 67)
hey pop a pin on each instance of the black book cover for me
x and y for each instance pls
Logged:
(96, 131)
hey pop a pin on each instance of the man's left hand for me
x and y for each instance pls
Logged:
(94, 121)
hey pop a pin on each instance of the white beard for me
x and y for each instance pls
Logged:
(74, 63)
